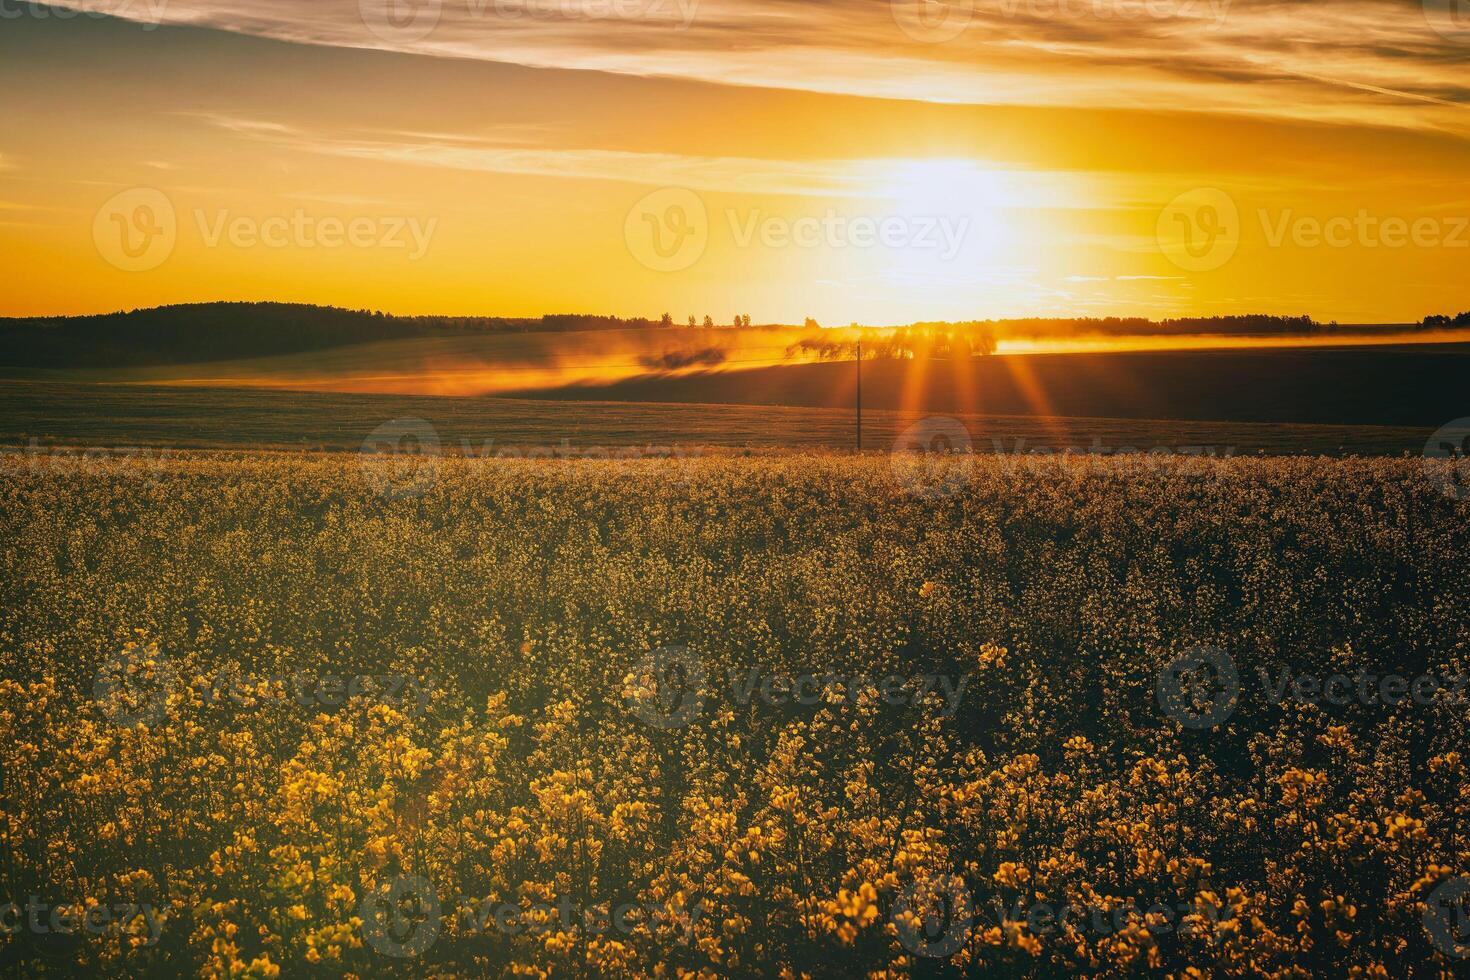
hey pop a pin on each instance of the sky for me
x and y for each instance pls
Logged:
(852, 161)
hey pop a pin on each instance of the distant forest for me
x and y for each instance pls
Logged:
(1134, 326)
(1440, 322)
(980, 337)
(227, 331)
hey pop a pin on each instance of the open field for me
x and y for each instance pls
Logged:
(83, 415)
(733, 717)
(1412, 384)
(1343, 377)
(314, 348)
(471, 364)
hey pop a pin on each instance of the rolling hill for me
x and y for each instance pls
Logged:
(1345, 376)
(1405, 385)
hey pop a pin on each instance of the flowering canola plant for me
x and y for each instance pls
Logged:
(493, 714)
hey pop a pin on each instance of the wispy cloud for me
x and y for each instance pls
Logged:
(1361, 61)
(974, 184)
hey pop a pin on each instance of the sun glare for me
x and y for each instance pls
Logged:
(962, 218)
(945, 185)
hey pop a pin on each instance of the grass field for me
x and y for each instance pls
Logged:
(1407, 385)
(1397, 384)
(800, 715)
(49, 414)
(470, 364)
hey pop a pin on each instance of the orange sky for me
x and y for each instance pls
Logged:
(861, 160)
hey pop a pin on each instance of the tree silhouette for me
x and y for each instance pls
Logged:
(1462, 320)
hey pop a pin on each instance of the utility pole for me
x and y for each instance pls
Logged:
(860, 397)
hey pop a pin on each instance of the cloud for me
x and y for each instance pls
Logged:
(1385, 62)
(971, 184)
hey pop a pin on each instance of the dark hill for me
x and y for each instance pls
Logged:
(194, 333)
(1406, 385)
